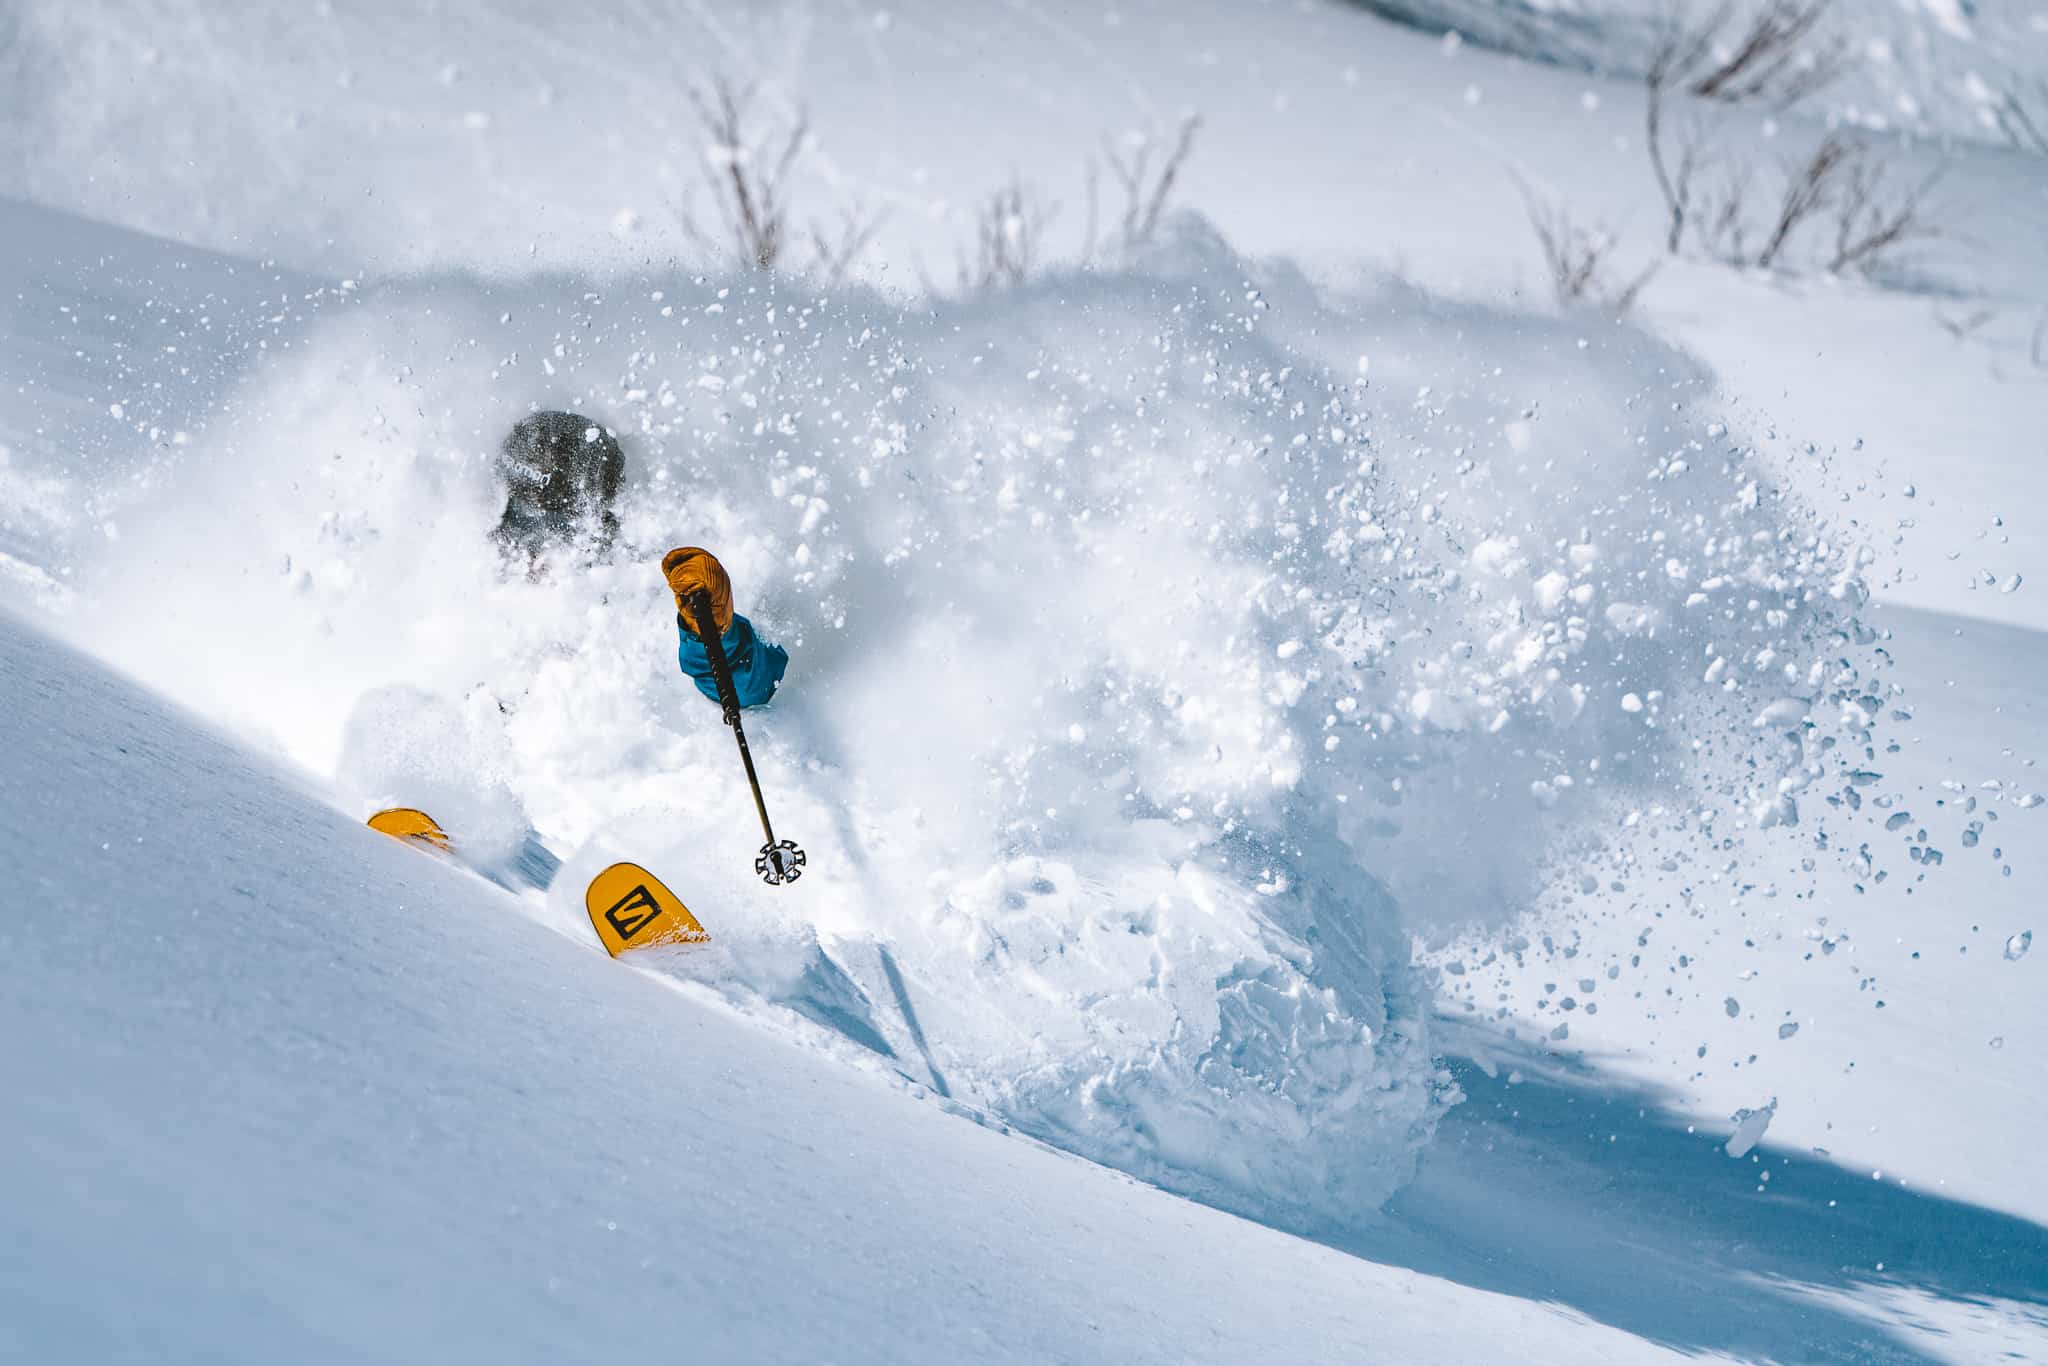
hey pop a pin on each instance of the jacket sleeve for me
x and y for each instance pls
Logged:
(756, 665)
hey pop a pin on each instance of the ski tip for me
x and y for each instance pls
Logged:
(631, 908)
(412, 825)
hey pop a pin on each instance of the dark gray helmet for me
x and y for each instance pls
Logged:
(561, 473)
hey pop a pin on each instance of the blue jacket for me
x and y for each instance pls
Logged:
(756, 665)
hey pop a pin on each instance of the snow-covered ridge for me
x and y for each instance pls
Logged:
(1969, 68)
(1157, 634)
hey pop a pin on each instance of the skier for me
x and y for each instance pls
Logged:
(756, 665)
(561, 472)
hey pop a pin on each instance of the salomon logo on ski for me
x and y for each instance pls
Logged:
(633, 914)
(630, 908)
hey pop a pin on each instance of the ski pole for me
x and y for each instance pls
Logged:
(779, 861)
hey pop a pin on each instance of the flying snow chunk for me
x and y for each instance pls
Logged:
(1786, 711)
(1749, 1128)
(1632, 619)
(2016, 946)
(1495, 555)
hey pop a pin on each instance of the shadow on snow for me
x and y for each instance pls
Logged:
(1570, 1187)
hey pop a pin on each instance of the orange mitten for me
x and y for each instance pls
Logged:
(690, 571)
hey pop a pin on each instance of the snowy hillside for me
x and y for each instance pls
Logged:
(1543, 804)
(1968, 68)
(298, 1091)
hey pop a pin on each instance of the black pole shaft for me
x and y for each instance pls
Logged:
(728, 697)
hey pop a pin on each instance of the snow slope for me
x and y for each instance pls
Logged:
(380, 1113)
(1887, 1024)
(1940, 67)
(282, 1086)
(1149, 863)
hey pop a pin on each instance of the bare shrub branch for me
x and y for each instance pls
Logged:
(1810, 188)
(2022, 127)
(1578, 259)
(1963, 328)
(1676, 164)
(750, 172)
(1871, 222)
(1092, 224)
(1723, 223)
(835, 249)
(747, 174)
(1780, 56)
(1009, 237)
(1146, 188)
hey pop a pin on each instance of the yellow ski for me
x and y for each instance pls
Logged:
(412, 825)
(631, 909)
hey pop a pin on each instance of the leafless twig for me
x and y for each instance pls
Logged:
(1676, 166)
(837, 248)
(2018, 122)
(750, 170)
(1810, 187)
(1723, 223)
(1093, 184)
(1780, 56)
(1009, 235)
(1578, 259)
(747, 174)
(1870, 222)
(1964, 327)
(1147, 187)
